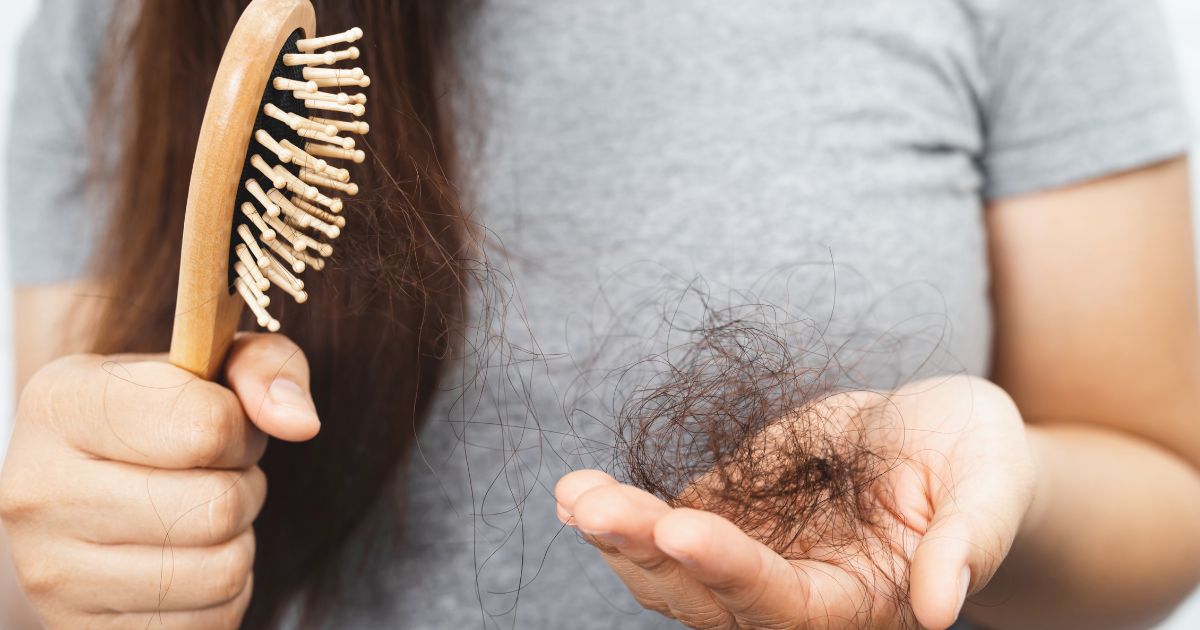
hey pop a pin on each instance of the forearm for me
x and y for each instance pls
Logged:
(1112, 539)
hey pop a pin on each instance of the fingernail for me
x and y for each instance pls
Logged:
(964, 583)
(289, 395)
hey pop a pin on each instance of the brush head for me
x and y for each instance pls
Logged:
(269, 177)
(290, 203)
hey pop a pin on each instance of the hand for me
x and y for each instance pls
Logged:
(946, 510)
(130, 485)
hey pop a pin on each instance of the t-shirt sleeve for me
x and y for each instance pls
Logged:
(1076, 90)
(52, 224)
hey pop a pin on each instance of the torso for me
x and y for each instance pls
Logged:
(789, 155)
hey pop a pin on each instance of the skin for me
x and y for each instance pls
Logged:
(967, 473)
(1088, 520)
(146, 514)
(1067, 485)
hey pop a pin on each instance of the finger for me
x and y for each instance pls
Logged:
(755, 584)
(269, 373)
(970, 535)
(624, 517)
(567, 492)
(143, 578)
(227, 616)
(978, 504)
(572, 485)
(143, 411)
(119, 503)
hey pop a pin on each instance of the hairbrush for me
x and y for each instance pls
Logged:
(264, 198)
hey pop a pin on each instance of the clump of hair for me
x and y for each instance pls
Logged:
(738, 421)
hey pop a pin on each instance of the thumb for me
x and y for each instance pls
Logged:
(269, 374)
(969, 537)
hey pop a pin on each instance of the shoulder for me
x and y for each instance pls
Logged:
(1082, 32)
(1075, 90)
(1000, 14)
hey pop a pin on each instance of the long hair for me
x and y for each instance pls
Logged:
(381, 321)
(385, 318)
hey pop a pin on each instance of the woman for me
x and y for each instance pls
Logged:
(1023, 160)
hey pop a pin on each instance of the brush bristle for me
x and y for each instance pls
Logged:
(291, 203)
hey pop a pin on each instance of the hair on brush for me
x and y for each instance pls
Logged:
(265, 194)
(382, 320)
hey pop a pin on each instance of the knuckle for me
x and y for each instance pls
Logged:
(232, 501)
(17, 502)
(204, 445)
(53, 381)
(207, 415)
(234, 563)
(39, 579)
(226, 509)
(254, 484)
(230, 615)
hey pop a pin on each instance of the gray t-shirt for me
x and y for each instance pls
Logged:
(784, 151)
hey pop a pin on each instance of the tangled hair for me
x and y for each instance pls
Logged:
(731, 425)
(702, 429)
(739, 421)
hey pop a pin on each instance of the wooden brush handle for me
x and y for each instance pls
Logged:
(206, 311)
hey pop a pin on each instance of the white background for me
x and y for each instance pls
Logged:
(1184, 16)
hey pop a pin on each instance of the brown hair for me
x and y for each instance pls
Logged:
(382, 319)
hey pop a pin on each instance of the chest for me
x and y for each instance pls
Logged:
(613, 144)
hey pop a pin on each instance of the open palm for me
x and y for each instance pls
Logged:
(952, 479)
